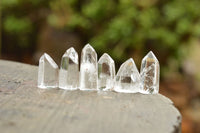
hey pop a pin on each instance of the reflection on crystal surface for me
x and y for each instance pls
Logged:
(88, 69)
(47, 72)
(128, 78)
(150, 73)
(68, 76)
(106, 72)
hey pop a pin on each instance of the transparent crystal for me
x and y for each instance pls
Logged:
(69, 73)
(88, 69)
(106, 72)
(150, 73)
(47, 72)
(128, 78)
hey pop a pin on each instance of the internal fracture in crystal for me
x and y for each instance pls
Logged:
(48, 72)
(128, 78)
(150, 73)
(88, 69)
(69, 73)
(106, 72)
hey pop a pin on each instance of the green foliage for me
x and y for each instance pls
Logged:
(123, 28)
(15, 25)
(18, 17)
(8, 3)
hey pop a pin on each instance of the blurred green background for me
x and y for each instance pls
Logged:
(123, 29)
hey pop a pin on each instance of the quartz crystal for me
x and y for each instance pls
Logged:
(48, 72)
(69, 73)
(150, 73)
(88, 69)
(106, 72)
(128, 78)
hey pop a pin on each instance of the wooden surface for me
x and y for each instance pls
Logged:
(26, 109)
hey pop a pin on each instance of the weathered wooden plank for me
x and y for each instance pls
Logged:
(26, 109)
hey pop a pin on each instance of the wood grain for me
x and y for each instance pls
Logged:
(26, 109)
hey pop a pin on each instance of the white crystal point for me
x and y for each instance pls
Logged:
(128, 78)
(150, 74)
(69, 73)
(106, 72)
(47, 72)
(88, 69)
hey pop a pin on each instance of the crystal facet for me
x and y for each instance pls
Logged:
(88, 69)
(48, 72)
(106, 72)
(69, 73)
(128, 78)
(150, 73)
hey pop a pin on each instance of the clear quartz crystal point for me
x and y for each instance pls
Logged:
(128, 78)
(88, 69)
(150, 73)
(106, 72)
(69, 73)
(47, 72)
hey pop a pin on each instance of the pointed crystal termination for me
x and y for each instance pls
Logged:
(106, 72)
(128, 78)
(88, 69)
(150, 73)
(47, 72)
(69, 73)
